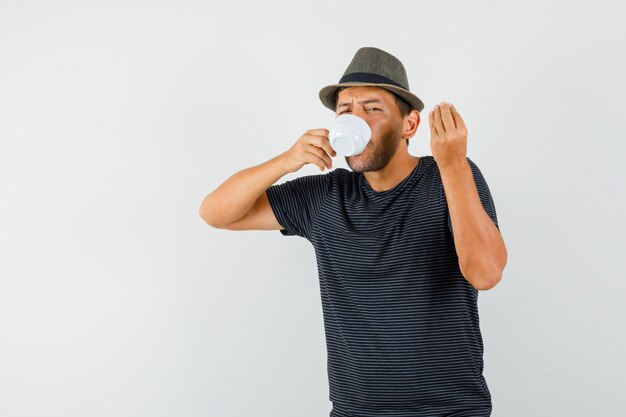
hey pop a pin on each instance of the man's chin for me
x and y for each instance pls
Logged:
(355, 163)
(357, 157)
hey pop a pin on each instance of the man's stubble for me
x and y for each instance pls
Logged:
(380, 152)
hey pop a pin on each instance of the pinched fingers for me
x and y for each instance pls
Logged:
(437, 125)
(446, 117)
(460, 123)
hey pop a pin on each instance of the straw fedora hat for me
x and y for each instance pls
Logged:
(372, 66)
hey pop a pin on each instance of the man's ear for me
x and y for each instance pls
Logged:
(413, 119)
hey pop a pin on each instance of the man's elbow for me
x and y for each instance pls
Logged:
(485, 284)
(483, 275)
(204, 215)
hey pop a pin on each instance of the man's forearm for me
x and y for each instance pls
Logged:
(234, 197)
(478, 242)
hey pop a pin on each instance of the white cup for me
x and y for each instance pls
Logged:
(349, 135)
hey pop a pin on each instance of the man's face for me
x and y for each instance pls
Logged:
(378, 108)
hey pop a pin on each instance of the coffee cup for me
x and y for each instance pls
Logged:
(349, 135)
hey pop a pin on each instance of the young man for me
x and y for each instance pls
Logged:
(403, 244)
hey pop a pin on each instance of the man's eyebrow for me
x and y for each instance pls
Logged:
(371, 100)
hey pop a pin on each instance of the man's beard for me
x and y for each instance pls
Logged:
(379, 155)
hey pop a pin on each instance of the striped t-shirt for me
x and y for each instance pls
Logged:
(401, 321)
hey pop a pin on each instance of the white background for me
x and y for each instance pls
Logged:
(118, 117)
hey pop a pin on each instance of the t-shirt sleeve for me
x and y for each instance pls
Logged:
(296, 202)
(483, 192)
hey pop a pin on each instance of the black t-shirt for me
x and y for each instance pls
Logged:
(401, 321)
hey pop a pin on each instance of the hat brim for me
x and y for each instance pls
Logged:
(327, 94)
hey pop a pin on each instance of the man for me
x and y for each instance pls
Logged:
(403, 244)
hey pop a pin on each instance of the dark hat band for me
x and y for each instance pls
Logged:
(369, 77)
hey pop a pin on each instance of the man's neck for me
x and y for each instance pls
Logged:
(398, 168)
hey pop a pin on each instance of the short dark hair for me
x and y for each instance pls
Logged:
(404, 107)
